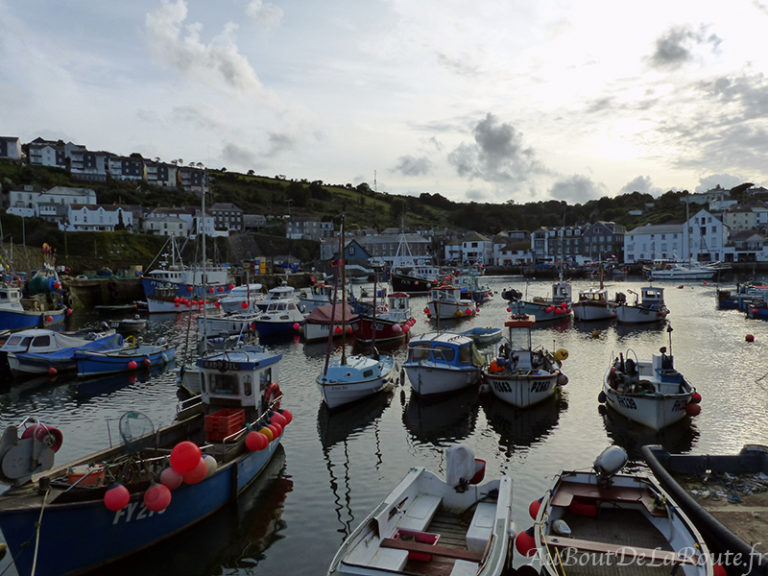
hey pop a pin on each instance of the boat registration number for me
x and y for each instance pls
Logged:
(628, 403)
(134, 511)
(221, 365)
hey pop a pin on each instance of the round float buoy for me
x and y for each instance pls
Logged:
(268, 433)
(288, 415)
(132, 365)
(601, 397)
(169, 477)
(525, 543)
(533, 508)
(596, 334)
(196, 474)
(296, 326)
(243, 305)
(185, 456)
(696, 398)
(338, 330)
(693, 409)
(147, 362)
(211, 465)
(157, 497)
(749, 338)
(116, 497)
(278, 419)
(256, 441)
(52, 371)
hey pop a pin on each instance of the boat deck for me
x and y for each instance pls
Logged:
(453, 531)
(627, 528)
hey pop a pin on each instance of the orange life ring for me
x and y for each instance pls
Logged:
(272, 396)
(15, 281)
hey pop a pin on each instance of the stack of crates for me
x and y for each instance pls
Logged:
(221, 424)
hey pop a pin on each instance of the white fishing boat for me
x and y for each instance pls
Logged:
(319, 294)
(651, 392)
(442, 362)
(329, 320)
(593, 304)
(428, 525)
(519, 374)
(664, 269)
(227, 324)
(647, 308)
(450, 302)
(602, 522)
(348, 379)
(243, 297)
(410, 274)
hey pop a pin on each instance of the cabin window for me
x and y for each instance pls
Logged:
(465, 354)
(265, 379)
(41, 341)
(367, 373)
(418, 353)
(445, 353)
(224, 384)
(247, 388)
(203, 382)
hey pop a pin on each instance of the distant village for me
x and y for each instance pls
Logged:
(717, 229)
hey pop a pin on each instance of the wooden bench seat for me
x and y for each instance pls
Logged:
(625, 550)
(437, 550)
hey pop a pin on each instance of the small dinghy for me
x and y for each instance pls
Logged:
(603, 522)
(426, 525)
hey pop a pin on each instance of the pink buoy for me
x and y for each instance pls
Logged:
(185, 456)
(211, 290)
(147, 362)
(693, 409)
(396, 328)
(338, 330)
(277, 430)
(296, 326)
(407, 328)
(216, 304)
(116, 497)
(69, 311)
(696, 398)
(52, 371)
(169, 477)
(49, 319)
(132, 365)
(468, 311)
(244, 305)
(157, 497)
(197, 474)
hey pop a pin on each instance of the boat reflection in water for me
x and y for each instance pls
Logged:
(677, 438)
(83, 390)
(235, 538)
(335, 427)
(446, 418)
(523, 427)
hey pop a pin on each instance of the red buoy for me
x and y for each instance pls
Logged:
(533, 508)
(693, 409)
(525, 543)
(157, 497)
(116, 497)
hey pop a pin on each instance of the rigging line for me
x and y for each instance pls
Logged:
(37, 532)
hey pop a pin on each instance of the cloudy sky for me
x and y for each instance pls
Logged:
(493, 101)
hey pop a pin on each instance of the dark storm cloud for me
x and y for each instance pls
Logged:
(496, 155)
(412, 166)
(576, 189)
(677, 45)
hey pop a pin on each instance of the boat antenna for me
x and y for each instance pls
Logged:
(333, 305)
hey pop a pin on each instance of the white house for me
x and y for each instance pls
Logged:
(10, 147)
(167, 226)
(746, 218)
(83, 218)
(705, 238)
(653, 241)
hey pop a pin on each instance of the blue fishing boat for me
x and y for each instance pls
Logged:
(108, 505)
(134, 355)
(555, 306)
(44, 351)
(483, 335)
(281, 318)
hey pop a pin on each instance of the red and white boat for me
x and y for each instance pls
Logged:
(392, 324)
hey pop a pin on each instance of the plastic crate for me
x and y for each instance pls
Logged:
(223, 423)
(417, 536)
(94, 476)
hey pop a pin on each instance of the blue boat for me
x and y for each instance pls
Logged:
(134, 355)
(108, 505)
(281, 318)
(44, 351)
(14, 316)
(442, 362)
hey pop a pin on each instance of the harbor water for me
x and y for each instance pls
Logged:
(336, 466)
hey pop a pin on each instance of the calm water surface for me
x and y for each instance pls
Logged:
(336, 466)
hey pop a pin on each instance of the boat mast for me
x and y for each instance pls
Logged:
(342, 263)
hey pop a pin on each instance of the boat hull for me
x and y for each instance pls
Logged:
(412, 284)
(111, 535)
(544, 312)
(95, 363)
(430, 379)
(639, 315)
(359, 378)
(27, 363)
(15, 320)
(586, 312)
(522, 389)
(656, 411)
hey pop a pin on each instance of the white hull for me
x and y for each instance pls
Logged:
(236, 323)
(314, 332)
(648, 410)
(429, 379)
(590, 312)
(522, 389)
(639, 315)
(447, 310)
(360, 377)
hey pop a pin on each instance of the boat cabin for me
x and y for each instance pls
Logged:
(237, 380)
(652, 296)
(442, 348)
(10, 298)
(594, 297)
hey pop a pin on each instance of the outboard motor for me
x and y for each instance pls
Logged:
(609, 463)
(462, 468)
